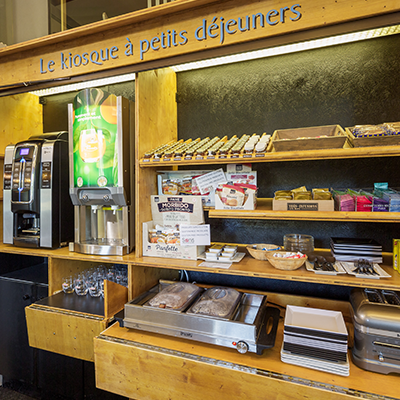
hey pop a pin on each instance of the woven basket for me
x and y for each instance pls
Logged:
(256, 250)
(286, 264)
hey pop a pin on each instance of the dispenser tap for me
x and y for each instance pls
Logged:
(95, 208)
(114, 209)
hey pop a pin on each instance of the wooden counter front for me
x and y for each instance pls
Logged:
(141, 365)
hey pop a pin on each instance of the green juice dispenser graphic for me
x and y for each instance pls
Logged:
(101, 172)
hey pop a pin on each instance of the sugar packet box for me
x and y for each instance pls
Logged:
(172, 211)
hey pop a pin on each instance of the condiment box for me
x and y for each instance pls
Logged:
(171, 211)
(250, 203)
(249, 177)
(303, 205)
(187, 181)
(166, 250)
(312, 138)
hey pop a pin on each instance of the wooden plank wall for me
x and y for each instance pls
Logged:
(21, 117)
(156, 123)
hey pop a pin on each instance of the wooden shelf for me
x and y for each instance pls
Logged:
(322, 154)
(264, 211)
(250, 267)
(63, 253)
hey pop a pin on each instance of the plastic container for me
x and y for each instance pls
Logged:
(298, 242)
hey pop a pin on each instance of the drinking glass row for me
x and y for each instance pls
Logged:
(92, 280)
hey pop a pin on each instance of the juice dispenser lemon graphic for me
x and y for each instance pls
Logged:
(92, 145)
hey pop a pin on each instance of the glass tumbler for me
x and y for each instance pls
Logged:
(68, 285)
(94, 286)
(80, 286)
(299, 242)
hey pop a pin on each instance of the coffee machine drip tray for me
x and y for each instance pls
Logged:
(102, 246)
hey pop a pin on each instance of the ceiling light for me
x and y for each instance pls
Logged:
(73, 87)
(290, 48)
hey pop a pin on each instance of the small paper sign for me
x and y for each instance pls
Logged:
(208, 182)
(215, 265)
(195, 235)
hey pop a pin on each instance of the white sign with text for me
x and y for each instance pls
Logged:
(209, 182)
(195, 235)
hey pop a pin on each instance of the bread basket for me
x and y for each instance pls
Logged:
(259, 251)
(286, 264)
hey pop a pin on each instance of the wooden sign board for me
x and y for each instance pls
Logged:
(178, 28)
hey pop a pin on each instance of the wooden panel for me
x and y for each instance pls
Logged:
(141, 365)
(60, 268)
(68, 334)
(156, 123)
(185, 16)
(143, 278)
(115, 297)
(148, 374)
(21, 117)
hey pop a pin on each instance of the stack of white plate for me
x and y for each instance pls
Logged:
(316, 339)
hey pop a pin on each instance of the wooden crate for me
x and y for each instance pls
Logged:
(309, 138)
(71, 332)
(391, 140)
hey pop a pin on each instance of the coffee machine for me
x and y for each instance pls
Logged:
(37, 211)
(101, 172)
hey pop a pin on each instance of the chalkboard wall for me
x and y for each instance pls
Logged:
(356, 83)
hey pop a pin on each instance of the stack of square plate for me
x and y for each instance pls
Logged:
(316, 339)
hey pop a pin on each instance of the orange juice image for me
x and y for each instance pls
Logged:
(92, 145)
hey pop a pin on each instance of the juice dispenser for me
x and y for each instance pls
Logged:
(101, 173)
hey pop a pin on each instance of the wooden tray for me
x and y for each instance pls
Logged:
(390, 140)
(309, 138)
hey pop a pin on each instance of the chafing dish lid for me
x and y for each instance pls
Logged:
(175, 296)
(217, 302)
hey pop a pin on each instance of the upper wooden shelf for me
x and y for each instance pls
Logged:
(251, 267)
(64, 253)
(322, 154)
(264, 211)
(248, 267)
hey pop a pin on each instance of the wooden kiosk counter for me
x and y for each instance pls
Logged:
(141, 365)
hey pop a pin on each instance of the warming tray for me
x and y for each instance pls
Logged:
(251, 325)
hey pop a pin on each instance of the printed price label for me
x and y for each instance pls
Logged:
(195, 235)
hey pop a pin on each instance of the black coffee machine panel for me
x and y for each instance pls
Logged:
(37, 210)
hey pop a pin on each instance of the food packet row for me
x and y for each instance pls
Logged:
(211, 146)
(386, 129)
(235, 194)
(302, 193)
(289, 255)
(164, 235)
(177, 187)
